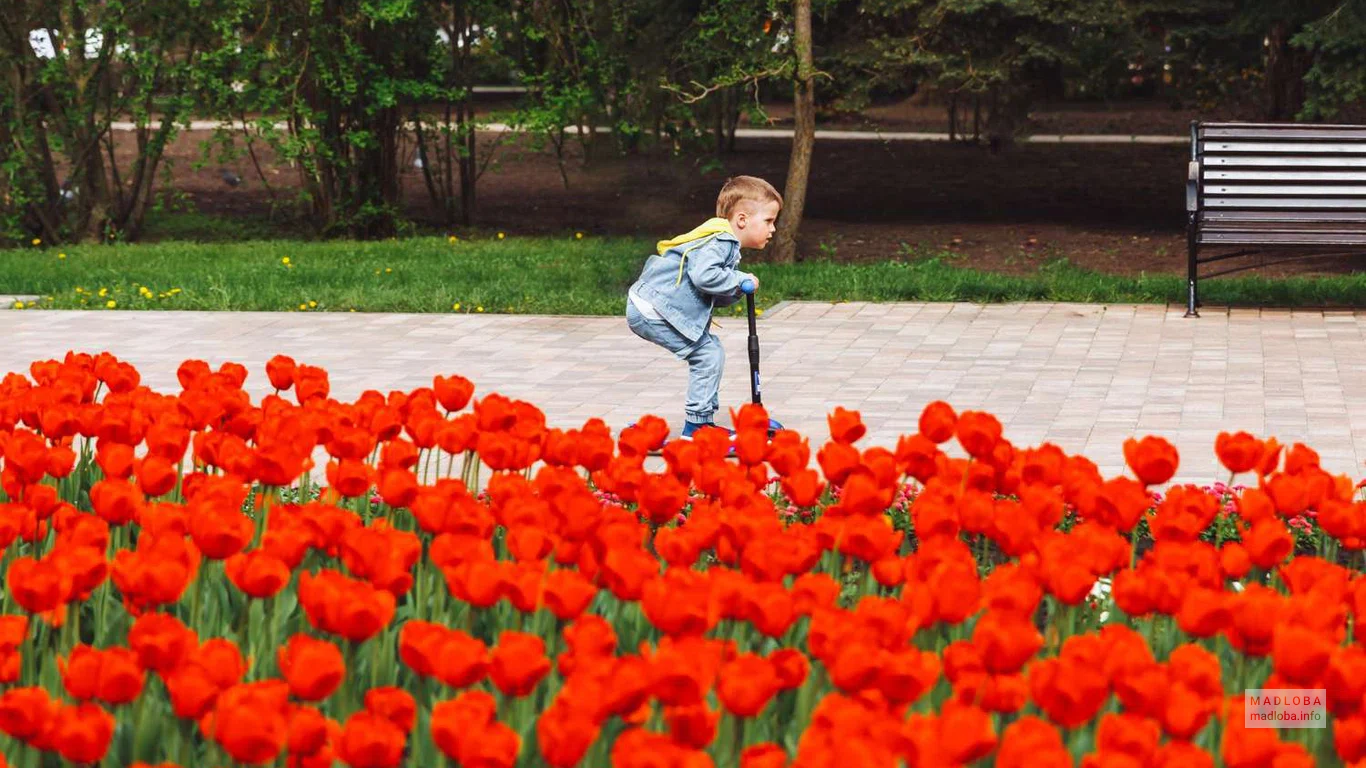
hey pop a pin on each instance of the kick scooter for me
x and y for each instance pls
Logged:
(755, 394)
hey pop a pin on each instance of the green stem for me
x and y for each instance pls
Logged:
(197, 597)
(138, 723)
(374, 661)
(349, 702)
(267, 497)
(739, 738)
(186, 741)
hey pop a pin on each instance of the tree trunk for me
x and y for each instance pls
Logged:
(375, 181)
(467, 159)
(1007, 108)
(719, 122)
(732, 119)
(1285, 68)
(953, 116)
(803, 140)
(469, 168)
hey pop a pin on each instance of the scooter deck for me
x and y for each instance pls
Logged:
(660, 454)
(729, 455)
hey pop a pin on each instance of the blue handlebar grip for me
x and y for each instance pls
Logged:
(747, 286)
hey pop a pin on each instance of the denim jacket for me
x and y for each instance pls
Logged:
(685, 281)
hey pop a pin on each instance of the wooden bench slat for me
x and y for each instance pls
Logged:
(1304, 132)
(1257, 124)
(1278, 161)
(1284, 202)
(1284, 238)
(1281, 227)
(1328, 216)
(1344, 190)
(1221, 175)
(1283, 147)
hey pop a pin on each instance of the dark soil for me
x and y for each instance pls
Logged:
(1111, 208)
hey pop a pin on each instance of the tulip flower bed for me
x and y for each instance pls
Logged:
(472, 588)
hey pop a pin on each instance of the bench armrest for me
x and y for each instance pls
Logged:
(1193, 186)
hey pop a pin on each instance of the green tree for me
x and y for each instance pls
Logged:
(1222, 51)
(71, 70)
(735, 48)
(345, 77)
(446, 135)
(727, 54)
(1001, 53)
(1337, 77)
(593, 68)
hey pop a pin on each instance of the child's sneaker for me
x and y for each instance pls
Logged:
(690, 427)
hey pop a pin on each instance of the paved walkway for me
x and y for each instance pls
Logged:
(1083, 376)
(831, 134)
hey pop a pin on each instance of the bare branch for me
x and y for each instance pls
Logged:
(703, 91)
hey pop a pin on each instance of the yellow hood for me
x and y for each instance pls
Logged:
(714, 226)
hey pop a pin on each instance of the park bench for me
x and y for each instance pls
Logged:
(1280, 191)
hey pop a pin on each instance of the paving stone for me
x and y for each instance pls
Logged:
(1084, 376)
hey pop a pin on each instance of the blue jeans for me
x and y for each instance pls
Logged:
(706, 360)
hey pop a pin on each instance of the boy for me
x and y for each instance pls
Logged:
(672, 301)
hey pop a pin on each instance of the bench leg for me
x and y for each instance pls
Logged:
(1192, 274)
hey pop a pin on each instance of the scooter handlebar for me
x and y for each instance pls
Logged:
(747, 286)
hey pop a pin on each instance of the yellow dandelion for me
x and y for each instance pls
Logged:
(452, 239)
(61, 255)
(284, 260)
(37, 241)
(104, 292)
(175, 291)
(478, 309)
(111, 303)
(312, 304)
(758, 311)
(18, 305)
(303, 306)
(377, 272)
(353, 309)
(501, 235)
(80, 289)
(387, 270)
(456, 306)
(578, 235)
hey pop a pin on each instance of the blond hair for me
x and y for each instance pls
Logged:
(739, 189)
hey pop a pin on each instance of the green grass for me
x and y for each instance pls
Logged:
(201, 228)
(549, 276)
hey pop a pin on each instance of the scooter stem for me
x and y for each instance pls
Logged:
(748, 287)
